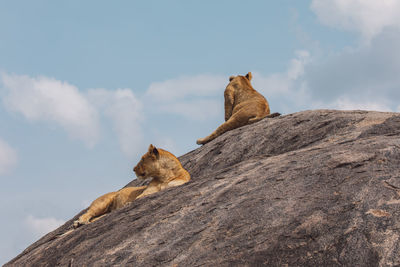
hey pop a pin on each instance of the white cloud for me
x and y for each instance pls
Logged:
(200, 97)
(168, 144)
(42, 226)
(125, 111)
(297, 64)
(47, 99)
(365, 77)
(192, 109)
(285, 92)
(345, 103)
(179, 88)
(369, 17)
(278, 83)
(8, 158)
(369, 74)
(192, 97)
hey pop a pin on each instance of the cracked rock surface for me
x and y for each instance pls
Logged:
(313, 188)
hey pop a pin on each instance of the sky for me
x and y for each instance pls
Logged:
(86, 86)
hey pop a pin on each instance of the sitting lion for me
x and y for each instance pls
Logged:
(161, 165)
(243, 105)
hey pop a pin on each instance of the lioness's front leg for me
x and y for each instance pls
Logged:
(176, 182)
(126, 195)
(98, 207)
(149, 190)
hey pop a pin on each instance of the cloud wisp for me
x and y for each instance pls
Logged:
(369, 17)
(286, 91)
(42, 226)
(124, 110)
(8, 158)
(192, 97)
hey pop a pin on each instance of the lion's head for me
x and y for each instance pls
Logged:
(148, 164)
(240, 81)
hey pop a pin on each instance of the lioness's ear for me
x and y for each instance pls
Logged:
(231, 78)
(153, 150)
(151, 147)
(249, 76)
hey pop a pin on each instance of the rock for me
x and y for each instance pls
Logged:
(314, 188)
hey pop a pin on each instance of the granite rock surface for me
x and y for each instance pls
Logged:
(313, 188)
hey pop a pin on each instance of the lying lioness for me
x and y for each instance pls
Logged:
(243, 105)
(161, 165)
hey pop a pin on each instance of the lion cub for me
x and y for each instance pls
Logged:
(159, 164)
(243, 105)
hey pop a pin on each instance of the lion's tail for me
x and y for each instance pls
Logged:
(273, 115)
(256, 119)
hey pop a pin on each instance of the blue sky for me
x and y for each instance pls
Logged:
(86, 86)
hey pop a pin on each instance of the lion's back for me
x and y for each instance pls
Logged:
(251, 101)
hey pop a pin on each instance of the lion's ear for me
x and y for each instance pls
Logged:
(231, 78)
(153, 150)
(249, 76)
(151, 147)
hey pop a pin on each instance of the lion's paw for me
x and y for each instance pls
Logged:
(78, 223)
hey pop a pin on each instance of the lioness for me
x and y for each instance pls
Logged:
(159, 164)
(243, 105)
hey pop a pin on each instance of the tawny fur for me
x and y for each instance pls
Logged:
(161, 165)
(243, 105)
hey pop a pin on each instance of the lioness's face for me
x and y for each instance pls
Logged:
(147, 164)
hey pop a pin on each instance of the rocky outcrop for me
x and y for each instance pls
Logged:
(314, 188)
